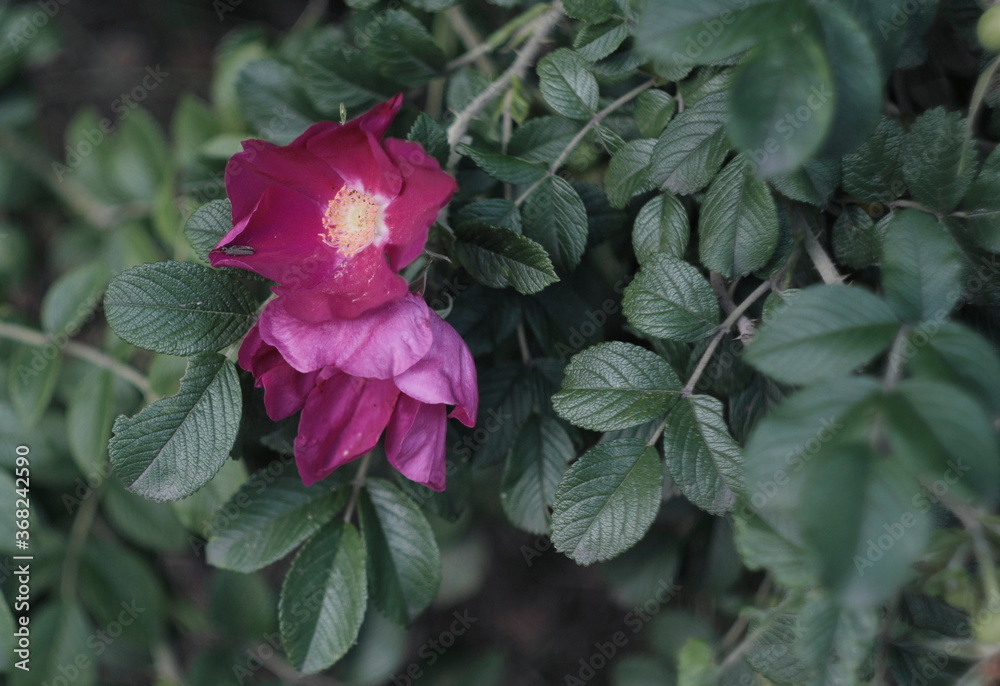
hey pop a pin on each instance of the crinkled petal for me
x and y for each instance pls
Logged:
(381, 343)
(415, 442)
(285, 389)
(342, 420)
(355, 151)
(426, 189)
(261, 165)
(357, 284)
(445, 375)
(283, 232)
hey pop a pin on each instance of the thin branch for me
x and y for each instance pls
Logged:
(894, 372)
(522, 342)
(359, 482)
(582, 133)
(824, 265)
(23, 334)
(744, 324)
(531, 48)
(77, 538)
(509, 31)
(470, 38)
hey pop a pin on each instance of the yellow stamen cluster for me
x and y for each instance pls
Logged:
(351, 221)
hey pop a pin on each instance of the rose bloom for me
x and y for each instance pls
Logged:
(336, 213)
(395, 368)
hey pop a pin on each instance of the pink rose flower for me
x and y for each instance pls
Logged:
(394, 368)
(335, 214)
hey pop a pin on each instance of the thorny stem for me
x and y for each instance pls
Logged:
(727, 324)
(80, 351)
(463, 119)
(359, 481)
(824, 265)
(594, 121)
(470, 38)
(498, 37)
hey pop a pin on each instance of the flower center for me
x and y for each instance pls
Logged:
(351, 221)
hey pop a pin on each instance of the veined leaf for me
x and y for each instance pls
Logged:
(498, 257)
(533, 471)
(671, 299)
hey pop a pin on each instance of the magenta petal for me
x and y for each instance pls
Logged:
(366, 166)
(285, 389)
(262, 164)
(381, 343)
(342, 420)
(426, 189)
(445, 375)
(415, 442)
(283, 232)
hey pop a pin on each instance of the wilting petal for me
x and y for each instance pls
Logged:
(285, 389)
(426, 189)
(355, 150)
(415, 442)
(380, 343)
(342, 420)
(445, 375)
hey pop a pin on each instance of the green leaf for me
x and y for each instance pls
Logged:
(175, 445)
(431, 136)
(31, 380)
(826, 331)
(555, 217)
(761, 547)
(981, 207)
(814, 183)
(684, 33)
(566, 84)
(510, 391)
(701, 455)
(798, 432)
(138, 159)
(942, 433)
(607, 500)
(939, 163)
(543, 138)
(661, 227)
(197, 511)
(593, 11)
(404, 564)
(836, 640)
(858, 80)
(88, 420)
(857, 242)
(332, 72)
(874, 172)
(692, 148)
(272, 518)
(781, 103)
(958, 355)
(323, 598)
(629, 170)
(921, 267)
(671, 299)
(208, 225)
(739, 222)
(493, 211)
(616, 386)
(505, 167)
(68, 634)
(653, 111)
(879, 532)
(145, 523)
(695, 666)
(597, 42)
(498, 257)
(403, 51)
(178, 308)
(533, 471)
(771, 655)
(71, 300)
(272, 99)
